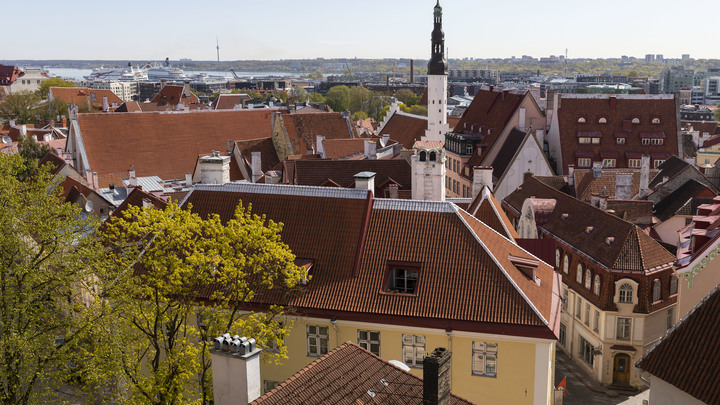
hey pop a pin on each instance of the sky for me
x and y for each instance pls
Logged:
(282, 29)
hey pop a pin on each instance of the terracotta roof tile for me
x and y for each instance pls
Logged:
(174, 95)
(688, 356)
(163, 145)
(302, 129)
(8, 74)
(268, 155)
(587, 184)
(670, 205)
(346, 375)
(344, 148)
(317, 172)
(405, 128)
(487, 209)
(80, 96)
(229, 101)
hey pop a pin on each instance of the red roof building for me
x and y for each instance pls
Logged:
(86, 99)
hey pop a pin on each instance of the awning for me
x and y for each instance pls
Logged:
(584, 154)
(609, 154)
(652, 134)
(589, 134)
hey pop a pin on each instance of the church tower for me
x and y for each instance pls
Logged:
(437, 83)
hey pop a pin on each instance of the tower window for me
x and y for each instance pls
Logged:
(423, 156)
(433, 156)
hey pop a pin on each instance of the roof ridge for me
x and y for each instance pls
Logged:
(276, 189)
(413, 205)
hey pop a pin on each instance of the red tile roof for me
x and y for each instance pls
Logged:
(405, 128)
(344, 148)
(618, 111)
(587, 184)
(302, 129)
(174, 95)
(161, 144)
(318, 171)
(80, 96)
(268, 156)
(688, 356)
(229, 101)
(8, 74)
(487, 209)
(347, 375)
(353, 239)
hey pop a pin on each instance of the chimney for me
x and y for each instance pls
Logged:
(521, 119)
(365, 181)
(436, 377)
(23, 130)
(385, 140)
(504, 93)
(186, 89)
(188, 179)
(571, 175)
(412, 71)
(88, 177)
(623, 186)
(163, 83)
(320, 143)
(393, 191)
(644, 175)
(132, 180)
(215, 169)
(229, 145)
(597, 169)
(235, 370)
(370, 149)
(106, 107)
(95, 181)
(256, 167)
(89, 104)
(603, 200)
(482, 176)
(47, 138)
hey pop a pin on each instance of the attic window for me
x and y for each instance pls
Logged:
(402, 278)
(581, 120)
(588, 229)
(602, 120)
(307, 265)
(564, 216)
(609, 240)
(656, 120)
(636, 120)
(527, 266)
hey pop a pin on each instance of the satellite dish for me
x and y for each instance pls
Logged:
(399, 364)
(88, 206)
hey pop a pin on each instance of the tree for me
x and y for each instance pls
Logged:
(359, 97)
(338, 98)
(316, 98)
(21, 107)
(360, 115)
(717, 113)
(299, 93)
(43, 90)
(32, 152)
(378, 105)
(181, 260)
(418, 110)
(50, 271)
(407, 97)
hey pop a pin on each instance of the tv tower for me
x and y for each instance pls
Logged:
(218, 48)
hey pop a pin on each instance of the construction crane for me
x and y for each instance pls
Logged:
(234, 74)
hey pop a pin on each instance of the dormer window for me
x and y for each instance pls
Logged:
(433, 156)
(588, 278)
(579, 274)
(588, 229)
(626, 294)
(527, 266)
(566, 263)
(596, 290)
(402, 278)
(656, 120)
(564, 216)
(609, 240)
(636, 121)
(581, 120)
(602, 120)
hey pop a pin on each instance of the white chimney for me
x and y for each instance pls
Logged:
(393, 190)
(365, 181)
(320, 143)
(23, 130)
(235, 370)
(34, 138)
(47, 138)
(96, 187)
(188, 179)
(132, 180)
(215, 169)
(644, 175)
(106, 107)
(370, 149)
(571, 175)
(88, 177)
(256, 167)
(623, 186)
(482, 176)
(186, 89)
(385, 140)
(521, 119)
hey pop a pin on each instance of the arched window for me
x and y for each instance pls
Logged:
(602, 120)
(578, 274)
(566, 263)
(656, 120)
(656, 290)
(588, 278)
(626, 294)
(433, 156)
(581, 120)
(423, 156)
(673, 285)
(596, 290)
(636, 120)
(557, 258)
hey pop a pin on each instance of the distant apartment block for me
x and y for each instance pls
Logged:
(491, 76)
(675, 78)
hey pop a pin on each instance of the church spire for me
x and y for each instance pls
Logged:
(438, 65)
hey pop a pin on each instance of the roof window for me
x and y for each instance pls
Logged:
(526, 266)
(588, 229)
(609, 240)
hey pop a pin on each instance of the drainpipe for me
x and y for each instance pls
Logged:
(448, 332)
(337, 331)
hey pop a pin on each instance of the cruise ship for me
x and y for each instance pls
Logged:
(118, 74)
(166, 72)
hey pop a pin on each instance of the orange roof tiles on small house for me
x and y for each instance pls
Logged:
(405, 128)
(301, 130)
(229, 101)
(157, 144)
(86, 99)
(8, 74)
(174, 95)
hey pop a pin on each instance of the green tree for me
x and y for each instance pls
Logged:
(180, 261)
(299, 93)
(359, 97)
(50, 272)
(316, 98)
(407, 97)
(44, 89)
(338, 98)
(418, 110)
(360, 115)
(21, 107)
(378, 106)
(717, 113)
(32, 152)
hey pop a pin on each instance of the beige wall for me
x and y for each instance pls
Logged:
(662, 393)
(668, 229)
(696, 280)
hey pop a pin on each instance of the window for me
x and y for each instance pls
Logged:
(670, 320)
(269, 385)
(587, 313)
(657, 163)
(656, 120)
(468, 149)
(484, 360)
(673, 284)
(563, 334)
(657, 286)
(656, 141)
(633, 162)
(369, 340)
(602, 120)
(609, 163)
(413, 349)
(623, 328)
(565, 299)
(403, 281)
(423, 156)
(565, 264)
(581, 120)
(596, 321)
(557, 258)
(620, 141)
(636, 120)
(584, 140)
(588, 279)
(646, 141)
(596, 290)
(595, 141)
(433, 156)
(626, 294)
(578, 307)
(584, 162)
(585, 351)
(317, 340)
(579, 274)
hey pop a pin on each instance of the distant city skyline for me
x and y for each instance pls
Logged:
(285, 29)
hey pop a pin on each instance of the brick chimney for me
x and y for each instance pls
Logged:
(235, 370)
(365, 181)
(436, 377)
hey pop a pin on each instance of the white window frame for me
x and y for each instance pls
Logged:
(579, 274)
(645, 141)
(609, 162)
(596, 288)
(403, 280)
(595, 140)
(620, 140)
(634, 163)
(623, 330)
(584, 140)
(317, 340)
(484, 359)
(657, 162)
(584, 162)
(588, 278)
(413, 350)
(656, 141)
(367, 339)
(626, 294)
